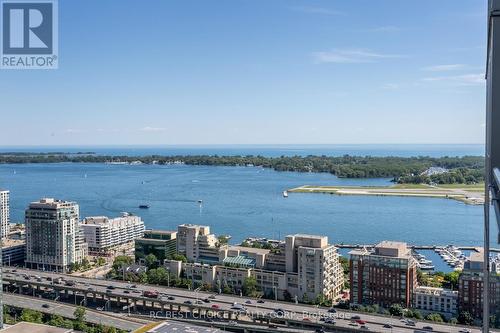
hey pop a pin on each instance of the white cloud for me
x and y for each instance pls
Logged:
(317, 10)
(152, 129)
(462, 80)
(444, 68)
(352, 56)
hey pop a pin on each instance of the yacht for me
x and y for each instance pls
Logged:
(285, 194)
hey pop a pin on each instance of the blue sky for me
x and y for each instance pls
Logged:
(255, 72)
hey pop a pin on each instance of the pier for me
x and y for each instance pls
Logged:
(417, 247)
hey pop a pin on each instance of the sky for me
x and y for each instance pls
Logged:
(255, 72)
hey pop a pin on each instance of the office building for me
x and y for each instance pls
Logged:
(4, 213)
(385, 275)
(54, 239)
(436, 300)
(470, 287)
(104, 234)
(161, 243)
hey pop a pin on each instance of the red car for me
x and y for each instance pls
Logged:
(215, 306)
(361, 322)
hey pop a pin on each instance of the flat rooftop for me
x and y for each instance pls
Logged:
(172, 326)
(24, 327)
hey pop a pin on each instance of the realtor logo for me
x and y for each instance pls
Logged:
(29, 34)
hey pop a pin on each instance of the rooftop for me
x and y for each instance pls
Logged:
(24, 327)
(171, 326)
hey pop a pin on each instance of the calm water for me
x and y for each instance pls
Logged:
(407, 150)
(244, 201)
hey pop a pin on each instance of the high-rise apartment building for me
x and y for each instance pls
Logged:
(4, 213)
(385, 275)
(54, 239)
(103, 234)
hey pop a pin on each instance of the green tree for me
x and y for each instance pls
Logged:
(396, 310)
(79, 322)
(157, 276)
(57, 320)
(31, 316)
(465, 318)
(179, 257)
(151, 261)
(436, 317)
(249, 287)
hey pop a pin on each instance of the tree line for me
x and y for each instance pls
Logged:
(465, 169)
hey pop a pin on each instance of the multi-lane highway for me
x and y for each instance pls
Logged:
(67, 311)
(297, 315)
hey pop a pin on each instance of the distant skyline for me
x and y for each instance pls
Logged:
(255, 72)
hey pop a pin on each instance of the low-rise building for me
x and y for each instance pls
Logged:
(436, 300)
(384, 275)
(13, 251)
(160, 243)
(308, 266)
(103, 234)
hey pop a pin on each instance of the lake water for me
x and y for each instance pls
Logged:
(406, 150)
(244, 201)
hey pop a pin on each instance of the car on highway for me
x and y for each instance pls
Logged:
(272, 326)
(388, 326)
(126, 291)
(332, 310)
(111, 287)
(206, 300)
(355, 317)
(90, 289)
(361, 322)
(188, 302)
(171, 298)
(232, 323)
(248, 302)
(428, 328)
(70, 283)
(330, 321)
(364, 328)
(260, 301)
(464, 330)
(150, 293)
(410, 323)
(215, 306)
(45, 305)
(199, 301)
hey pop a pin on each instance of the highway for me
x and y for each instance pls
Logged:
(67, 311)
(299, 315)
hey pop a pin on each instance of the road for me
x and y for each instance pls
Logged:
(294, 313)
(67, 311)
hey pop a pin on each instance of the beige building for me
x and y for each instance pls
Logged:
(317, 266)
(4, 213)
(54, 239)
(304, 266)
(197, 243)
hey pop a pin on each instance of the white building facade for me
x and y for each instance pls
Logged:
(430, 299)
(102, 233)
(4, 213)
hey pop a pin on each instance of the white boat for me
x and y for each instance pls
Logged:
(285, 194)
(427, 267)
